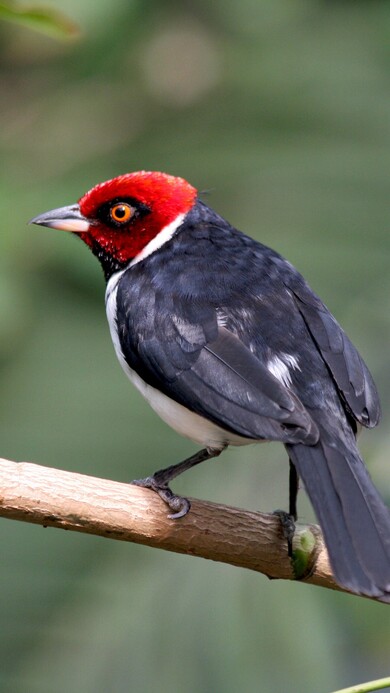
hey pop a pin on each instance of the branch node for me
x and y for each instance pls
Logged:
(307, 545)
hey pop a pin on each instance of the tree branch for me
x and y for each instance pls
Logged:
(253, 540)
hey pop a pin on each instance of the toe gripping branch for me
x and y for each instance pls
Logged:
(302, 543)
(159, 481)
(287, 523)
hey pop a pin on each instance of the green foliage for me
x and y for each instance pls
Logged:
(280, 109)
(46, 21)
(377, 685)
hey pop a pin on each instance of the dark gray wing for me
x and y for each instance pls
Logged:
(224, 382)
(348, 369)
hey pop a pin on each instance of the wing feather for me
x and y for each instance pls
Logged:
(223, 381)
(348, 369)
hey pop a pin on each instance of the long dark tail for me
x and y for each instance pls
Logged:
(354, 519)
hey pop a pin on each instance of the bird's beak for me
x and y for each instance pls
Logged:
(64, 218)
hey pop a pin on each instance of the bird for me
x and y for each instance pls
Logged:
(230, 346)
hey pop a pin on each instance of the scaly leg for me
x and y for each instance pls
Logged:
(293, 491)
(287, 520)
(159, 481)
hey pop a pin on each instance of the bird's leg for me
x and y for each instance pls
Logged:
(160, 480)
(287, 520)
(293, 491)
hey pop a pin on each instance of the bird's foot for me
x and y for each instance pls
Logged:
(179, 505)
(288, 528)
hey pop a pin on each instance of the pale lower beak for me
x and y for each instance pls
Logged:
(64, 218)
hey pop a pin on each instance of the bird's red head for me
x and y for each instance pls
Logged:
(120, 217)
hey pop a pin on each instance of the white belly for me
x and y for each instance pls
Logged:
(181, 419)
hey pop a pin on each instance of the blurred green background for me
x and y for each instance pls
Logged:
(280, 109)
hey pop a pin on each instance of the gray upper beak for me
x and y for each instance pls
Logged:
(64, 218)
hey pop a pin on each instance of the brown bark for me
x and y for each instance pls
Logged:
(253, 540)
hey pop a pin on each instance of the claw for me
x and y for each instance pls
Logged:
(178, 504)
(183, 506)
(288, 528)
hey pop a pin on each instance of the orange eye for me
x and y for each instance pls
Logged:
(121, 212)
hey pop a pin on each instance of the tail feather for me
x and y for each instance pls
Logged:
(353, 517)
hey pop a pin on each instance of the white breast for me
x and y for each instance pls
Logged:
(182, 420)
